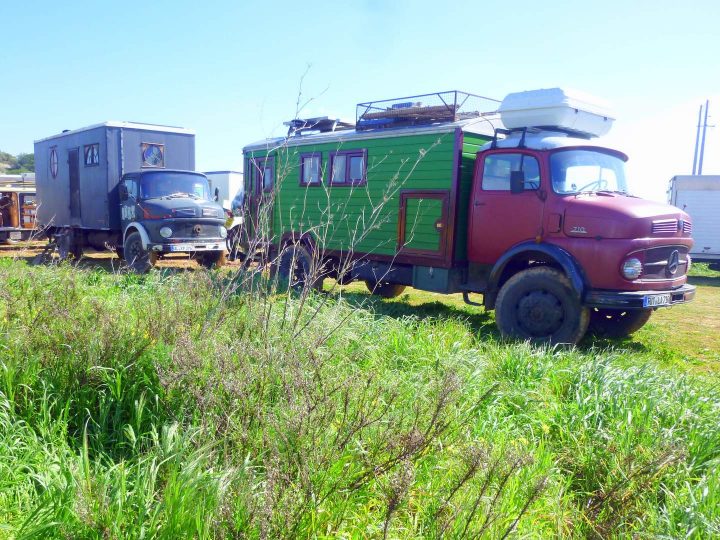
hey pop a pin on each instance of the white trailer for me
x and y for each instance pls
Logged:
(699, 196)
(227, 184)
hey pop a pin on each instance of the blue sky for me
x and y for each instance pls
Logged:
(231, 70)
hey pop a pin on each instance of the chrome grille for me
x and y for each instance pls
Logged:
(687, 227)
(664, 226)
(657, 259)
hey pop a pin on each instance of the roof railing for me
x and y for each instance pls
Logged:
(424, 109)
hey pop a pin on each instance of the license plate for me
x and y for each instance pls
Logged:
(195, 247)
(654, 300)
(182, 247)
(15, 235)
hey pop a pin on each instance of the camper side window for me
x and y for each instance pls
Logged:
(91, 153)
(264, 173)
(348, 168)
(310, 173)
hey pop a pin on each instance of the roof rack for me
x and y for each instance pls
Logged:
(320, 124)
(438, 107)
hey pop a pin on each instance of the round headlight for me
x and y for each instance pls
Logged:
(223, 232)
(632, 268)
(166, 232)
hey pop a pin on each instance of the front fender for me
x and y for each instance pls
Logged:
(528, 251)
(143, 233)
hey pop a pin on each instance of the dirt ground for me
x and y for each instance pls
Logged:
(107, 260)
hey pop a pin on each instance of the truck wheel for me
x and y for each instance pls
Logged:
(68, 246)
(212, 259)
(236, 249)
(539, 305)
(384, 289)
(140, 260)
(617, 323)
(294, 269)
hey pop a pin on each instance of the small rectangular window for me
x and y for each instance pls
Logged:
(153, 154)
(91, 153)
(310, 170)
(338, 169)
(349, 168)
(264, 173)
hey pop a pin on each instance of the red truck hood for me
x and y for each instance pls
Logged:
(614, 215)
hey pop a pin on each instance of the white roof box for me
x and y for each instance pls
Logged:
(559, 108)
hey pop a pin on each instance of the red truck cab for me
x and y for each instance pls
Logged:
(563, 245)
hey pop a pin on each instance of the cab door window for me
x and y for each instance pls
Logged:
(132, 188)
(497, 169)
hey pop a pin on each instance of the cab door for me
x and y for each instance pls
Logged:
(259, 195)
(128, 200)
(499, 218)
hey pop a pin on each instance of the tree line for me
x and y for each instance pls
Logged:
(22, 163)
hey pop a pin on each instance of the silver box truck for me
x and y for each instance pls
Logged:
(699, 196)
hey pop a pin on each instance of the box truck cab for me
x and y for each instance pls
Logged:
(521, 204)
(169, 211)
(570, 246)
(129, 187)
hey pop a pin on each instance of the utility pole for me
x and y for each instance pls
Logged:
(697, 141)
(702, 144)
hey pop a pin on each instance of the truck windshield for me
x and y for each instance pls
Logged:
(166, 184)
(587, 171)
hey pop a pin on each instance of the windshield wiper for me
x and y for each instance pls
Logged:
(617, 191)
(182, 194)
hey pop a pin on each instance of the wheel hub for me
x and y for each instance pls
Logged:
(540, 313)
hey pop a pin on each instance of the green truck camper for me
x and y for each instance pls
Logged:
(383, 200)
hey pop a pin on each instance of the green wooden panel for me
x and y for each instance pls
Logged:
(420, 218)
(364, 218)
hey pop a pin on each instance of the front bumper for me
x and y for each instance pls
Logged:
(12, 234)
(189, 246)
(639, 299)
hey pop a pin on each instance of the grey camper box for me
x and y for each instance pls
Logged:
(78, 171)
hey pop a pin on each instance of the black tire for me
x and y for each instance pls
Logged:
(617, 323)
(294, 270)
(137, 258)
(539, 305)
(384, 289)
(236, 249)
(68, 247)
(212, 259)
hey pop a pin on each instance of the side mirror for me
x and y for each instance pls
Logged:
(517, 181)
(217, 194)
(123, 191)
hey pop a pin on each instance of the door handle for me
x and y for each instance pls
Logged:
(478, 203)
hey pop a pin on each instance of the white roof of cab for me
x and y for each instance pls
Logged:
(125, 125)
(484, 125)
(546, 140)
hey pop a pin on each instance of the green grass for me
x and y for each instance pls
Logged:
(146, 407)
